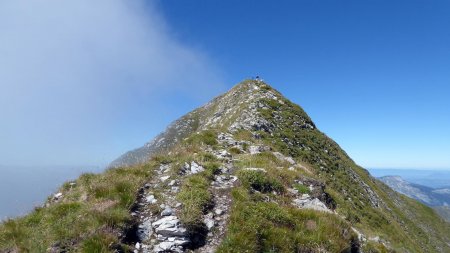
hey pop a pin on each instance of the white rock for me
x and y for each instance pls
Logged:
(164, 178)
(169, 230)
(58, 195)
(138, 245)
(209, 223)
(255, 169)
(151, 199)
(314, 204)
(171, 183)
(218, 211)
(161, 237)
(168, 219)
(181, 241)
(375, 239)
(164, 168)
(196, 168)
(167, 212)
(360, 235)
(290, 160)
(254, 150)
(281, 157)
(223, 154)
(169, 226)
(164, 246)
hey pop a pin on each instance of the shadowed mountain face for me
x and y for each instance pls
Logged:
(247, 172)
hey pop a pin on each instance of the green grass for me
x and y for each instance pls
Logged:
(234, 151)
(207, 137)
(257, 226)
(88, 216)
(303, 189)
(259, 180)
(195, 197)
(406, 224)
(99, 243)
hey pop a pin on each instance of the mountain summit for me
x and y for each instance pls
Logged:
(247, 172)
(237, 109)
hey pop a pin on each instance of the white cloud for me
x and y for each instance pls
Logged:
(70, 69)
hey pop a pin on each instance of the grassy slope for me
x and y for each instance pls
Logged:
(95, 211)
(89, 217)
(407, 224)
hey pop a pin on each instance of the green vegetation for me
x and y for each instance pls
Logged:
(257, 226)
(303, 189)
(88, 217)
(195, 197)
(234, 150)
(208, 137)
(347, 184)
(258, 180)
(194, 193)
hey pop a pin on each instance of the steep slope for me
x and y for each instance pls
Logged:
(247, 172)
(424, 194)
(444, 211)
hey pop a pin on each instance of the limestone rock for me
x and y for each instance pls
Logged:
(309, 203)
(196, 168)
(169, 226)
(167, 212)
(151, 199)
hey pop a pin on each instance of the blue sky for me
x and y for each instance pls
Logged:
(109, 75)
(373, 75)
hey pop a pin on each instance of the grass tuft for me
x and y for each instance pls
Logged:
(258, 180)
(195, 197)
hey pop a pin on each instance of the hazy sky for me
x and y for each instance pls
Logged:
(83, 81)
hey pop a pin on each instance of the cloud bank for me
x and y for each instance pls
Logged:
(76, 75)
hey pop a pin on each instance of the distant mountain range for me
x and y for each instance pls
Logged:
(438, 198)
(444, 211)
(433, 178)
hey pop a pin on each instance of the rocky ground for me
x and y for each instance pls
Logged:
(159, 228)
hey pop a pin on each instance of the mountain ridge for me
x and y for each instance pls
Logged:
(427, 195)
(190, 122)
(247, 172)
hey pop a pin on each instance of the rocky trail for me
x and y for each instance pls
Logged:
(158, 225)
(159, 228)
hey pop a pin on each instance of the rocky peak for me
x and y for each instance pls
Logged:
(239, 108)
